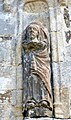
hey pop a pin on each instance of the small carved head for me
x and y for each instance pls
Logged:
(32, 31)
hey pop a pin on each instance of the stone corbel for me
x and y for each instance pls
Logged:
(7, 5)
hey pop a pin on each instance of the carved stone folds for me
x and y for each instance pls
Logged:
(37, 96)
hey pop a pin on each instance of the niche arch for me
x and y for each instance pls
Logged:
(35, 6)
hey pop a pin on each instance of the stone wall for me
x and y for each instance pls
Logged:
(15, 15)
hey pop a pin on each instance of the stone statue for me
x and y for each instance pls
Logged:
(37, 96)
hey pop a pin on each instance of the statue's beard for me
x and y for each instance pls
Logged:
(31, 37)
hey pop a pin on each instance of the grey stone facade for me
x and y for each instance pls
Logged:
(15, 15)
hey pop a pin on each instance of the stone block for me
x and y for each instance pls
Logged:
(60, 47)
(0, 39)
(67, 52)
(61, 80)
(52, 19)
(65, 101)
(5, 52)
(14, 98)
(5, 106)
(56, 74)
(1, 5)
(65, 68)
(62, 2)
(54, 46)
(18, 55)
(19, 77)
(18, 112)
(7, 23)
(7, 84)
(19, 118)
(69, 2)
(51, 3)
(19, 98)
(59, 20)
(57, 47)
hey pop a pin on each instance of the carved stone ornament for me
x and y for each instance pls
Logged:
(7, 6)
(37, 95)
(68, 36)
(66, 17)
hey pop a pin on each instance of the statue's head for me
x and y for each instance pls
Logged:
(35, 30)
(32, 31)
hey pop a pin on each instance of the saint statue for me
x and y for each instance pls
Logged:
(37, 93)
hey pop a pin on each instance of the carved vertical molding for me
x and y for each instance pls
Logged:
(55, 29)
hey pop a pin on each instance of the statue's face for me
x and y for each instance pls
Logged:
(32, 32)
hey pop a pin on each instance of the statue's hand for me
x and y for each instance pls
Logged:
(34, 45)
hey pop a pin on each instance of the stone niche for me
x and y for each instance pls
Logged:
(35, 6)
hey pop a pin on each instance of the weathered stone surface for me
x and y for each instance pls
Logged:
(38, 118)
(7, 24)
(69, 2)
(65, 102)
(7, 17)
(65, 74)
(19, 77)
(63, 2)
(44, 119)
(19, 118)
(41, 17)
(57, 46)
(1, 5)
(7, 84)
(67, 52)
(52, 19)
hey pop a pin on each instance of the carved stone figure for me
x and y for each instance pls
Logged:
(37, 95)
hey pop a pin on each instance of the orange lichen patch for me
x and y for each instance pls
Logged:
(5, 96)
